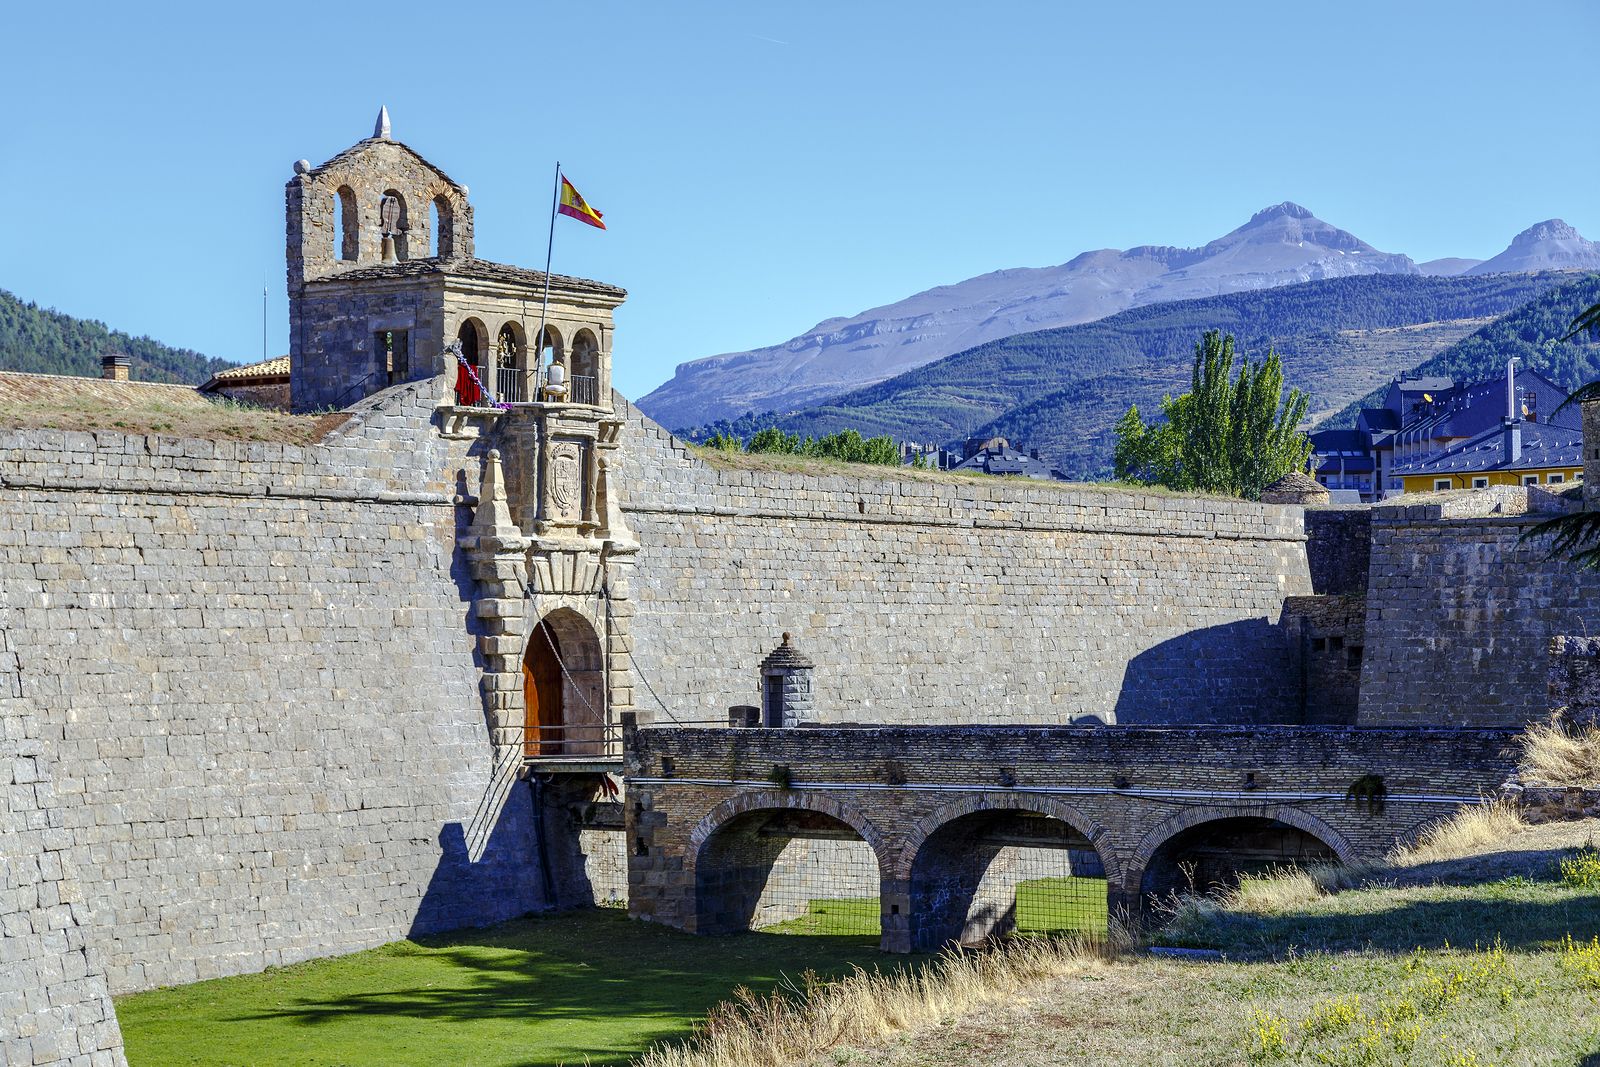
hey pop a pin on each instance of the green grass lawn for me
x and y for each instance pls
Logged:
(1071, 904)
(1062, 905)
(537, 991)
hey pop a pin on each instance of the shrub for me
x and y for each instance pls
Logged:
(1582, 869)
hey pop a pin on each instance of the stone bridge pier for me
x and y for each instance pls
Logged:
(943, 823)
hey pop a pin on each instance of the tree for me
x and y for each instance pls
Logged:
(1226, 435)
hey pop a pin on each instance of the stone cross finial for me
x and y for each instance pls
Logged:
(381, 130)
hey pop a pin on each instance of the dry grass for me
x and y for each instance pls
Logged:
(1469, 832)
(822, 467)
(1558, 753)
(178, 413)
(795, 1025)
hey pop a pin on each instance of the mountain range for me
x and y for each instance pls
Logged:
(1281, 245)
(1061, 390)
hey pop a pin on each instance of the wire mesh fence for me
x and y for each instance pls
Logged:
(823, 886)
(788, 872)
(1000, 874)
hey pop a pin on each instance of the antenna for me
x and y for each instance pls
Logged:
(263, 318)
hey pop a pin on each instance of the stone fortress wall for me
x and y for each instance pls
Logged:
(940, 601)
(253, 671)
(1462, 612)
(54, 1003)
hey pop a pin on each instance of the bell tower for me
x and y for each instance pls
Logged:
(385, 289)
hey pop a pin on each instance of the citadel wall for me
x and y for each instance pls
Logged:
(252, 666)
(54, 1006)
(1461, 612)
(941, 601)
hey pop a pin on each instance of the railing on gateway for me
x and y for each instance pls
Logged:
(576, 741)
(585, 389)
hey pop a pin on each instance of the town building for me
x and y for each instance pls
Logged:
(995, 455)
(1423, 417)
(1515, 453)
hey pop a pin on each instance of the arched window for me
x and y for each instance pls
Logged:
(395, 224)
(585, 368)
(346, 228)
(444, 227)
(510, 358)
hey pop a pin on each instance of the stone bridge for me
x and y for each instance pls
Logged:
(710, 812)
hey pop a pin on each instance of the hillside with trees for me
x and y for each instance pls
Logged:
(1533, 333)
(43, 341)
(1062, 390)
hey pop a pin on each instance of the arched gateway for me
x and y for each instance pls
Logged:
(563, 687)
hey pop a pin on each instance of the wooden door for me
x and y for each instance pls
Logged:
(541, 694)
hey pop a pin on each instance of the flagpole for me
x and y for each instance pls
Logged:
(549, 248)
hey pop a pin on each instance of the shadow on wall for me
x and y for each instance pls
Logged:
(1237, 672)
(502, 883)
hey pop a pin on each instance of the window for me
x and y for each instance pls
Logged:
(346, 239)
(1319, 644)
(1352, 657)
(1480, 483)
(1441, 483)
(1335, 644)
(394, 353)
(1556, 479)
(1530, 479)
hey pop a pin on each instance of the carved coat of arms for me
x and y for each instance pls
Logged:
(565, 480)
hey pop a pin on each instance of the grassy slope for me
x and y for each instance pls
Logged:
(1060, 390)
(539, 991)
(42, 341)
(1401, 971)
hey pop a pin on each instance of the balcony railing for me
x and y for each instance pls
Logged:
(585, 389)
(511, 385)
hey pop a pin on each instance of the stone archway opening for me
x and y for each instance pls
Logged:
(563, 688)
(996, 873)
(1213, 856)
(788, 871)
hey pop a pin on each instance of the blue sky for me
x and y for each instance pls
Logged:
(767, 165)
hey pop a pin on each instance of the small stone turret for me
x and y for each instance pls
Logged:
(786, 698)
(1295, 488)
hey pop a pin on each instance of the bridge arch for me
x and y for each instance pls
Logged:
(1221, 843)
(998, 863)
(787, 858)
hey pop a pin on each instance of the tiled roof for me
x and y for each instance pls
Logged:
(471, 268)
(276, 367)
(1543, 446)
(1007, 460)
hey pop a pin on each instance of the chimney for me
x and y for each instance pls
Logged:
(1512, 428)
(114, 367)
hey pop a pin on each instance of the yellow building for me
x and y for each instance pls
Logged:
(1516, 453)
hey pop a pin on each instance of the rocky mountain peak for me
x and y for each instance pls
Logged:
(1548, 230)
(1286, 210)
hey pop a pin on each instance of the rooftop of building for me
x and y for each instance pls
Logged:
(469, 267)
(250, 373)
(996, 456)
(1543, 446)
(65, 402)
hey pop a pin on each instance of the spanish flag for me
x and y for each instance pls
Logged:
(575, 206)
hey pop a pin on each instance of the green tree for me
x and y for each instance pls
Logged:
(1228, 434)
(1577, 535)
